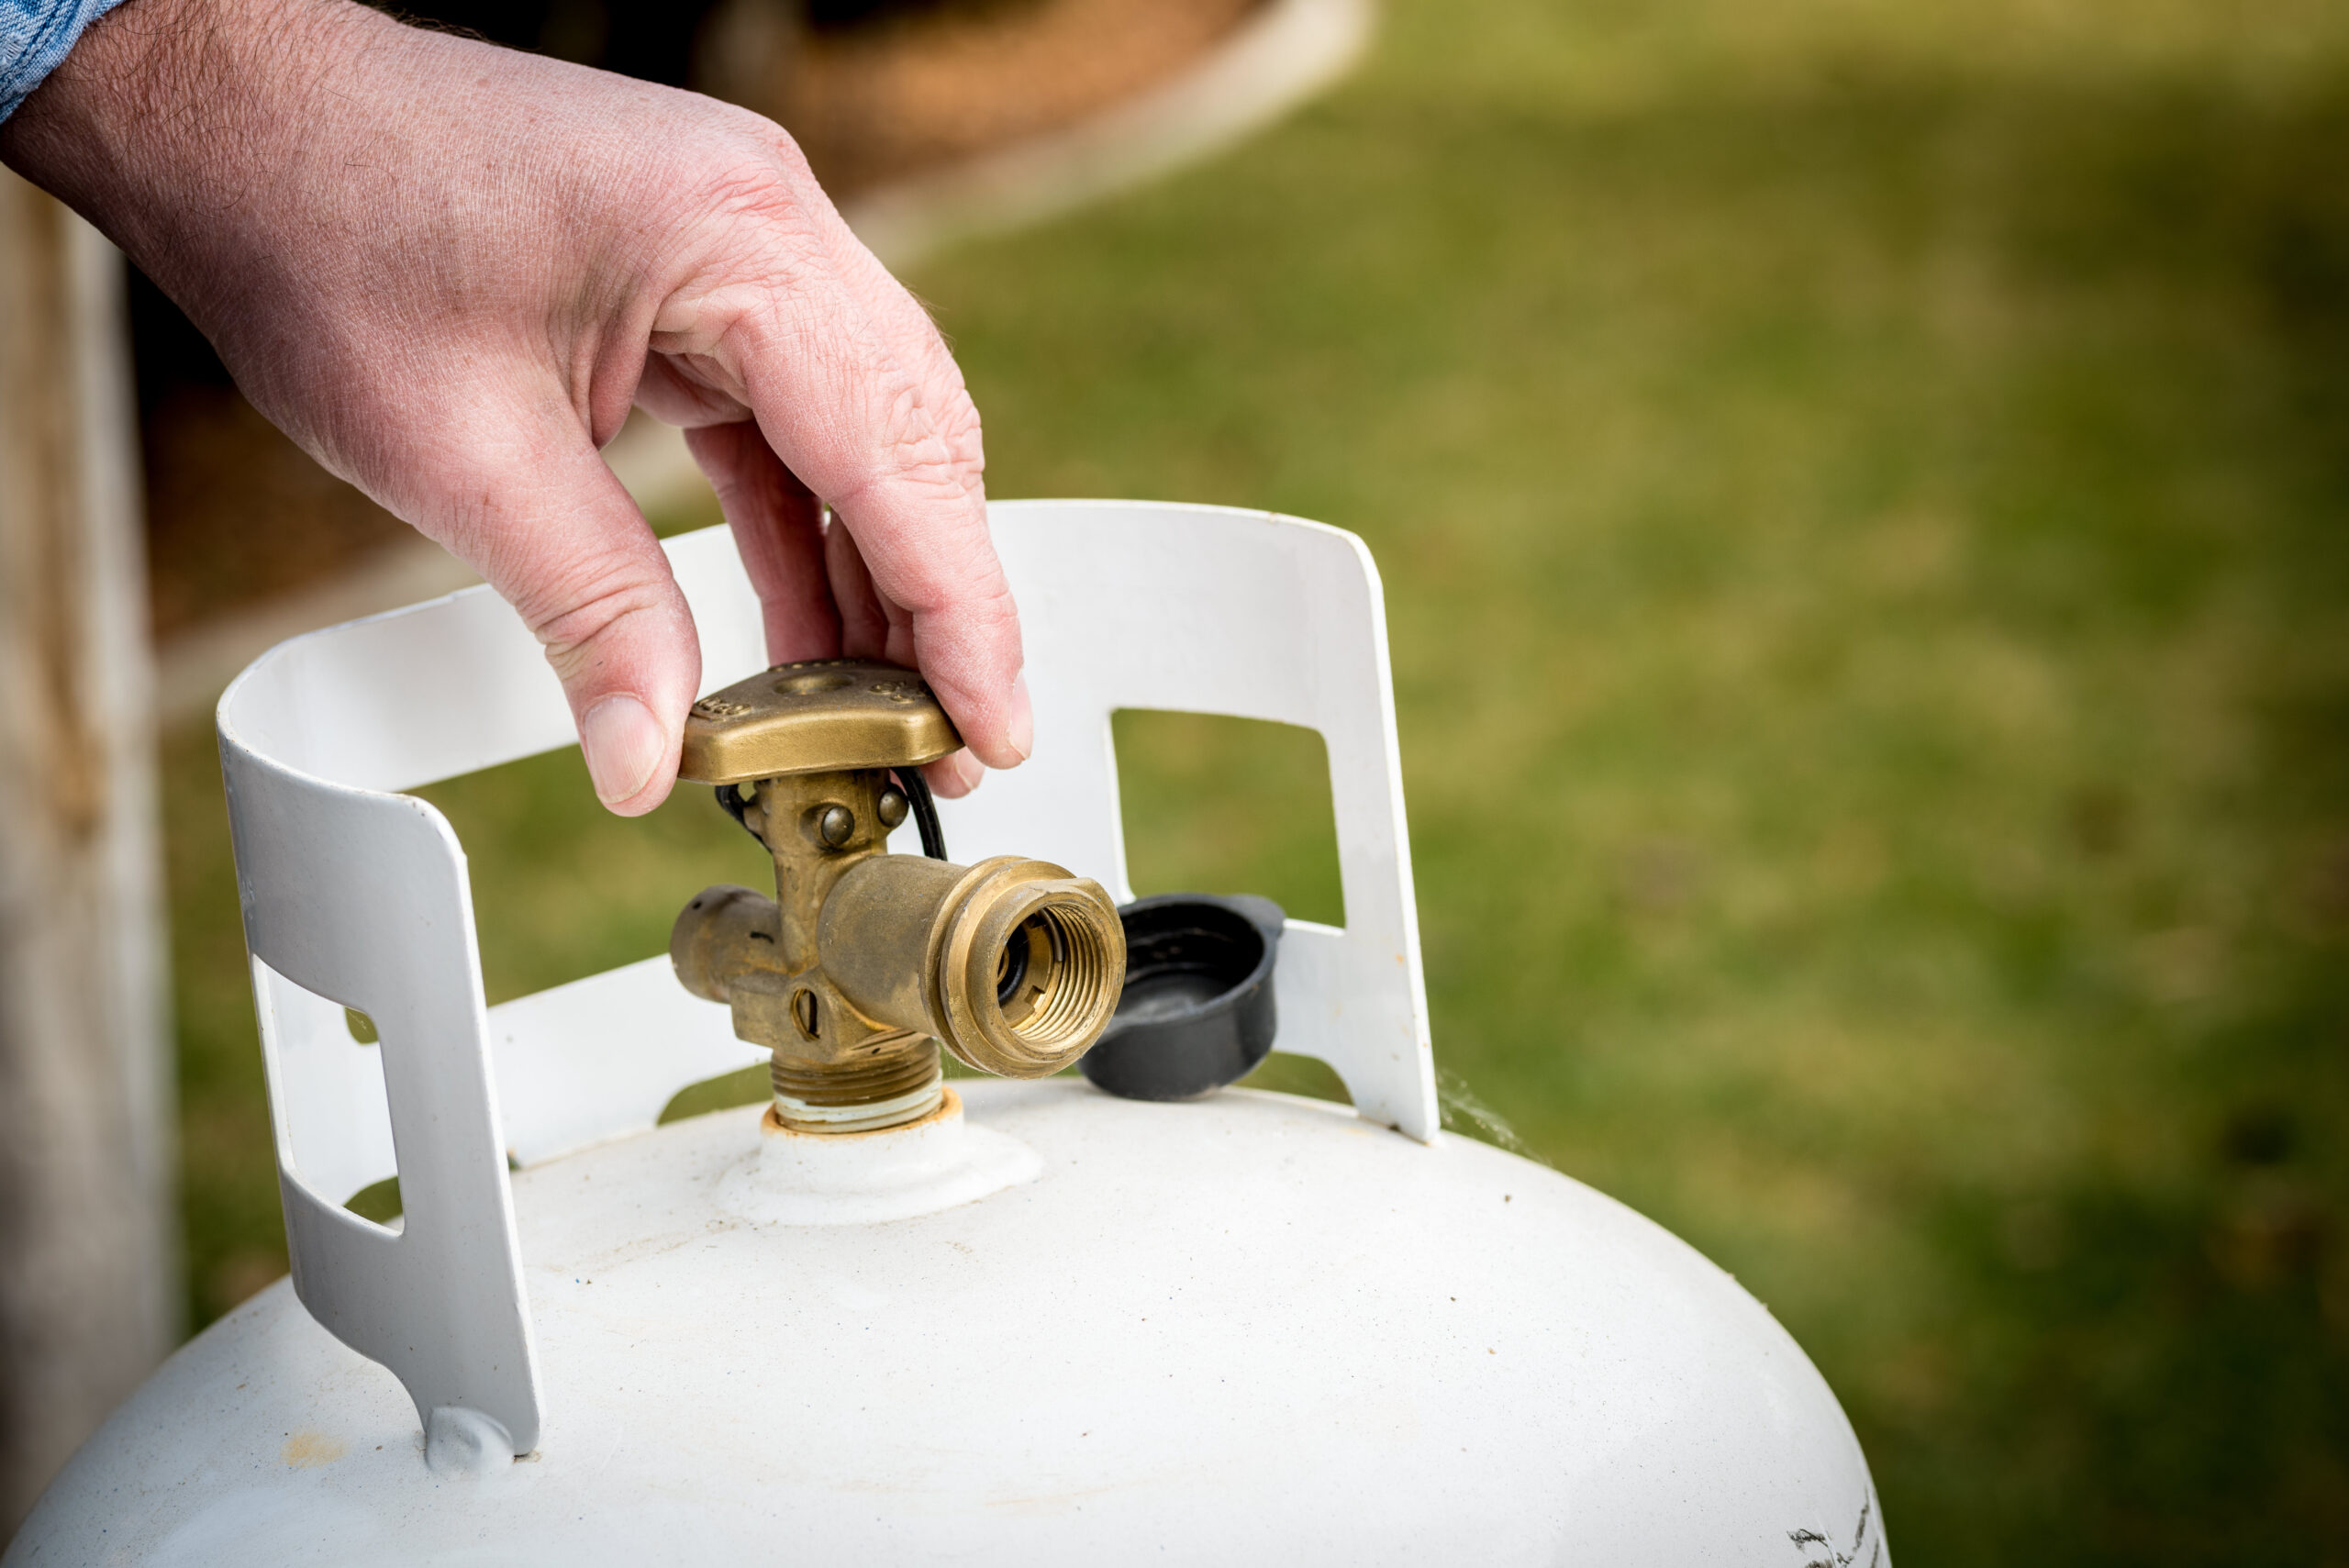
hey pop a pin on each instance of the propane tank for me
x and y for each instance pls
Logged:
(887, 1317)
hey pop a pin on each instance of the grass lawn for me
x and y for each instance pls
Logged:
(1863, 496)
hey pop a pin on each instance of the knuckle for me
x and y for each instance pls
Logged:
(995, 615)
(905, 439)
(754, 190)
(749, 188)
(902, 450)
(577, 608)
(963, 436)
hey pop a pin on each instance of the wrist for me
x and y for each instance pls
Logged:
(170, 121)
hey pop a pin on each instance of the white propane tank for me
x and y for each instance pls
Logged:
(1040, 1325)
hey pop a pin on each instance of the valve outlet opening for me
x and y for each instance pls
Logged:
(1055, 978)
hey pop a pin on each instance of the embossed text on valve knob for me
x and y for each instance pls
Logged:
(821, 716)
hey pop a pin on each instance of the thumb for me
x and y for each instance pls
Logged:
(566, 546)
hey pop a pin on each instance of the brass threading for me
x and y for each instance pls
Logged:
(1071, 996)
(900, 1084)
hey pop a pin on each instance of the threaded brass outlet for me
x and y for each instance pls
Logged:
(1014, 964)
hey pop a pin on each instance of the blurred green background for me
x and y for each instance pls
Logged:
(1862, 489)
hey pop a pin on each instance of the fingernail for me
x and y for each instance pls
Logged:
(624, 743)
(1021, 731)
(952, 777)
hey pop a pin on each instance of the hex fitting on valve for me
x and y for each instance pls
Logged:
(864, 961)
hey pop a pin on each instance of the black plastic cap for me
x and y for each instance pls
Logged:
(1197, 1008)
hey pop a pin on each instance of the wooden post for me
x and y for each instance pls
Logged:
(88, 1283)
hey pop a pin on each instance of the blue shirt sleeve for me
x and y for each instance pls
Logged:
(35, 37)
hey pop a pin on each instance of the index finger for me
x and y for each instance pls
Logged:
(854, 422)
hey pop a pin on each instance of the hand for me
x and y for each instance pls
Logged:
(447, 270)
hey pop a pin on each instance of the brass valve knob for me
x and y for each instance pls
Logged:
(864, 961)
(826, 716)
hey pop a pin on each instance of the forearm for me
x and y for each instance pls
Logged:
(272, 162)
(160, 122)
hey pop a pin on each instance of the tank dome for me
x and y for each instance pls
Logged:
(1250, 1329)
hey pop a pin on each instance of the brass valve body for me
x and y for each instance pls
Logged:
(864, 961)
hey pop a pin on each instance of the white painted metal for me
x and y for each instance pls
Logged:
(361, 898)
(357, 896)
(1248, 1330)
(869, 1178)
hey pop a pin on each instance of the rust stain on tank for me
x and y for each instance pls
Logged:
(308, 1449)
